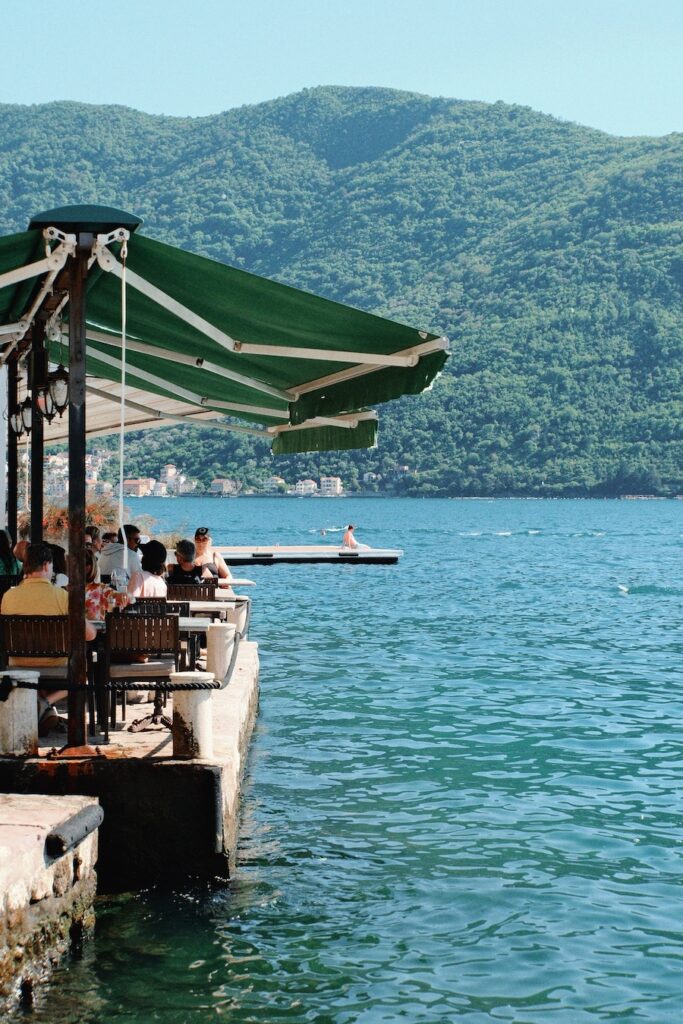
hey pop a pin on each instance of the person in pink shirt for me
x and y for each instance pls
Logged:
(150, 582)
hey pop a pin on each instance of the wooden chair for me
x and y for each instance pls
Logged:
(159, 606)
(37, 636)
(204, 591)
(154, 636)
(178, 608)
(148, 606)
(43, 636)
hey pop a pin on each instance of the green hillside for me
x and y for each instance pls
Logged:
(549, 253)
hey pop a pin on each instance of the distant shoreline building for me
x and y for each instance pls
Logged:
(224, 487)
(305, 487)
(331, 487)
(139, 488)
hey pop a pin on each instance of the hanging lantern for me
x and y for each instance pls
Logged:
(16, 423)
(25, 410)
(58, 386)
(45, 403)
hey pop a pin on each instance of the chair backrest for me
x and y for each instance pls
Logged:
(204, 591)
(142, 634)
(148, 606)
(178, 608)
(34, 636)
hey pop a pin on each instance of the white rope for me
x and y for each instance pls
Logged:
(122, 426)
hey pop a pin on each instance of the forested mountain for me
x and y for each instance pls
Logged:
(550, 254)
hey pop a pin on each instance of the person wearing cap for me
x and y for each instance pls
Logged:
(150, 582)
(207, 557)
(185, 571)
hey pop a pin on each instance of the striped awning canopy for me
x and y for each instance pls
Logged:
(205, 342)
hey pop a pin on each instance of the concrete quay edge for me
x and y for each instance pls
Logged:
(166, 819)
(43, 898)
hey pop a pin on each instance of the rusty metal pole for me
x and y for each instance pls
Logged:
(38, 375)
(77, 661)
(12, 453)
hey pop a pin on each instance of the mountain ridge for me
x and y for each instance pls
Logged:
(551, 255)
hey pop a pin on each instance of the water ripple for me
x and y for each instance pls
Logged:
(465, 794)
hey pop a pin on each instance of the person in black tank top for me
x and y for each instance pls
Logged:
(185, 571)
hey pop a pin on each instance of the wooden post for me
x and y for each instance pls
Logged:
(38, 375)
(12, 455)
(77, 662)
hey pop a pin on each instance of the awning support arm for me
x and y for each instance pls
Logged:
(204, 364)
(108, 262)
(438, 344)
(190, 396)
(349, 422)
(157, 414)
(53, 263)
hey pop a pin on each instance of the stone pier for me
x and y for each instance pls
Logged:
(48, 852)
(166, 819)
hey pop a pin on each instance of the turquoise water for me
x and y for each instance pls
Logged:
(465, 794)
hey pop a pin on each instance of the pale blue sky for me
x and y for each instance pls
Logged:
(612, 64)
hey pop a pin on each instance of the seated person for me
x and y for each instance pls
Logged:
(59, 571)
(113, 554)
(349, 541)
(99, 598)
(150, 581)
(95, 539)
(207, 557)
(36, 595)
(20, 549)
(9, 563)
(185, 570)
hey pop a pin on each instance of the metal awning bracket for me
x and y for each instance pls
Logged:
(19, 328)
(106, 259)
(54, 261)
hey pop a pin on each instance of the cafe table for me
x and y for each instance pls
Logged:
(186, 623)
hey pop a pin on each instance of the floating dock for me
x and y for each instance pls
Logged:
(308, 554)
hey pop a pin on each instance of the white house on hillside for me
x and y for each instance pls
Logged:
(331, 486)
(304, 487)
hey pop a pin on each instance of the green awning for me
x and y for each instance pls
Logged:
(297, 366)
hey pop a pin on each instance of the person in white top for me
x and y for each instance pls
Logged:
(111, 556)
(150, 581)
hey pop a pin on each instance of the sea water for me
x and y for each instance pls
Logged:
(464, 799)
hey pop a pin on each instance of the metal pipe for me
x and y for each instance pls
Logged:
(68, 834)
